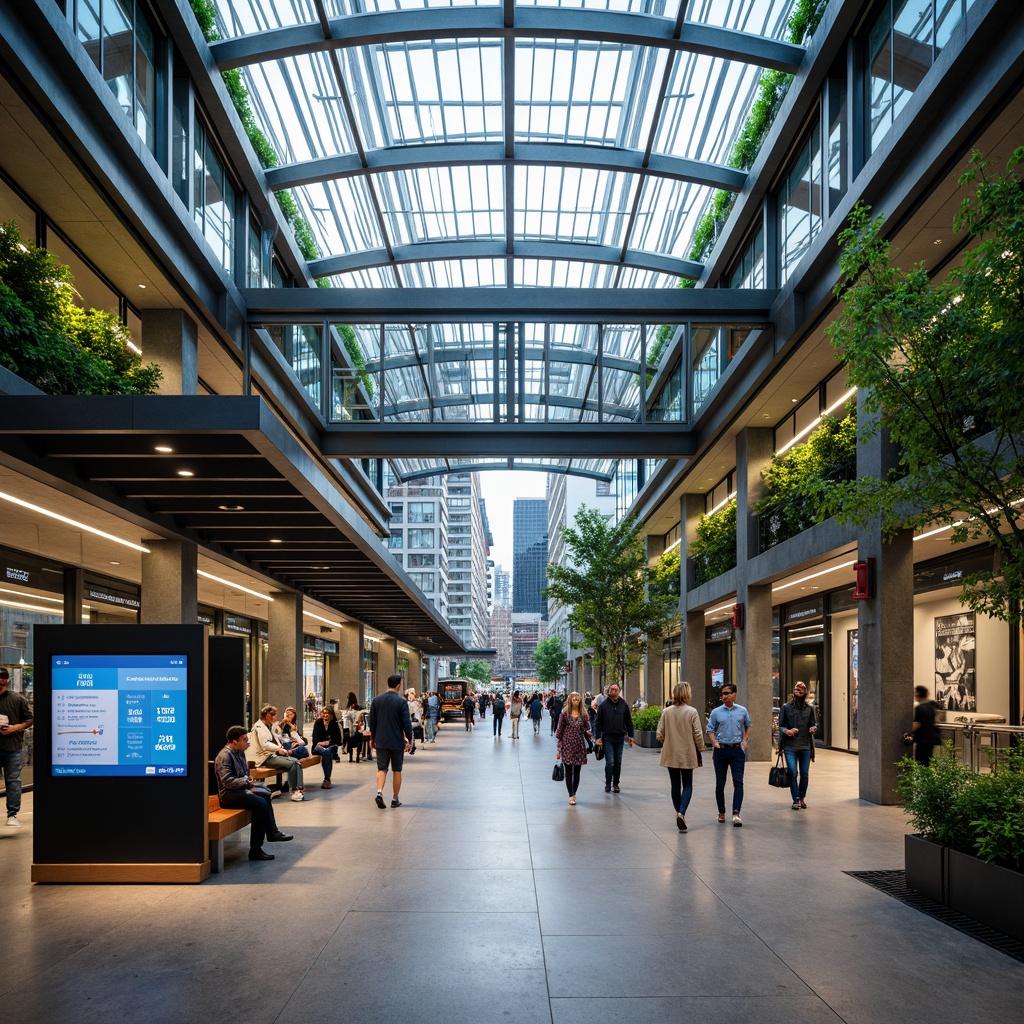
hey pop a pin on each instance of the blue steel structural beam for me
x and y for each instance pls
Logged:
(627, 28)
(543, 154)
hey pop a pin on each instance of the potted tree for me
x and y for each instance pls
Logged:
(645, 725)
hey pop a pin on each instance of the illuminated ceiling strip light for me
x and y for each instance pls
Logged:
(815, 575)
(814, 423)
(673, 546)
(35, 597)
(234, 586)
(320, 618)
(725, 501)
(932, 533)
(720, 608)
(73, 522)
(32, 608)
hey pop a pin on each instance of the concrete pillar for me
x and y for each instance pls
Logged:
(170, 338)
(284, 652)
(169, 583)
(754, 448)
(74, 593)
(332, 676)
(416, 670)
(692, 660)
(653, 675)
(387, 663)
(885, 625)
(350, 663)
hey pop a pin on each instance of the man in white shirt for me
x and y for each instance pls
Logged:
(268, 752)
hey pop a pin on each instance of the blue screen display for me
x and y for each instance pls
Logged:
(120, 714)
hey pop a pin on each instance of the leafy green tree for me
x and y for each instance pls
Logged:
(49, 341)
(714, 549)
(476, 669)
(941, 362)
(607, 584)
(549, 657)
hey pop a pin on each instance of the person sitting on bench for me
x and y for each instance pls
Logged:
(236, 789)
(268, 752)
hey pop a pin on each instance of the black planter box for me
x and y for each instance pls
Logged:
(926, 866)
(646, 739)
(986, 892)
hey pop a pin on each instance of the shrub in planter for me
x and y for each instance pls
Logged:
(645, 724)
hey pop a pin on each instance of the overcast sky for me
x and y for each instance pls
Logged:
(499, 490)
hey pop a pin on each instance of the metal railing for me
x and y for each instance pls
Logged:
(980, 744)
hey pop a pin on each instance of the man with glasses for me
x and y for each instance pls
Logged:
(729, 730)
(613, 728)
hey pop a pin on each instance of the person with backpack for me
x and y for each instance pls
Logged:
(516, 713)
(468, 707)
(498, 714)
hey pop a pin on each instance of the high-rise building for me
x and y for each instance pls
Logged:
(502, 587)
(501, 638)
(467, 560)
(419, 537)
(529, 555)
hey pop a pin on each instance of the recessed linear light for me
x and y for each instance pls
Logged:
(142, 286)
(164, 449)
(35, 597)
(231, 508)
(185, 472)
(320, 618)
(276, 540)
(73, 522)
(814, 576)
(229, 583)
(32, 608)
(112, 562)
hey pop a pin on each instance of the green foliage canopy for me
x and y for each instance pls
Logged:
(476, 669)
(714, 549)
(607, 584)
(54, 344)
(941, 363)
(549, 657)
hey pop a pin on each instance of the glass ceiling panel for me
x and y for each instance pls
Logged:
(431, 203)
(372, 277)
(605, 468)
(573, 204)
(364, 6)
(340, 215)
(241, 17)
(636, 277)
(537, 273)
(454, 274)
(298, 105)
(667, 216)
(585, 92)
(760, 17)
(660, 7)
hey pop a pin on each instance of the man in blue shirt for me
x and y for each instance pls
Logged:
(390, 737)
(728, 730)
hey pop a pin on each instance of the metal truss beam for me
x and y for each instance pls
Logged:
(532, 353)
(460, 305)
(511, 464)
(433, 24)
(443, 249)
(475, 440)
(546, 154)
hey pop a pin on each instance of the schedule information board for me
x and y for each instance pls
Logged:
(119, 714)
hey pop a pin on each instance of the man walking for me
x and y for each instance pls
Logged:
(613, 727)
(15, 719)
(236, 789)
(498, 713)
(433, 713)
(555, 705)
(728, 730)
(391, 737)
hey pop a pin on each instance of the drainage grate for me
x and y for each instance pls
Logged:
(894, 883)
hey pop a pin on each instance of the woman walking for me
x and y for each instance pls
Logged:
(515, 711)
(573, 732)
(682, 748)
(797, 726)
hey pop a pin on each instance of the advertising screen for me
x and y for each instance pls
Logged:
(119, 714)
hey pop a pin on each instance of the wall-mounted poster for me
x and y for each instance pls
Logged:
(954, 662)
(852, 642)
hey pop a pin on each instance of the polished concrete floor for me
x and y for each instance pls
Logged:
(487, 898)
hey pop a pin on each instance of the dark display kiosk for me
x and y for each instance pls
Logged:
(121, 754)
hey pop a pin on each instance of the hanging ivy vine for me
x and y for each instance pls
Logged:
(714, 549)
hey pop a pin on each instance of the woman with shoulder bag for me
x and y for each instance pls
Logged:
(682, 748)
(574, 742)
(516, 713)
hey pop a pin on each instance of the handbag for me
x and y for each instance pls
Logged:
(588, 742)
(558, 772)
(599, 752)
(778, 774)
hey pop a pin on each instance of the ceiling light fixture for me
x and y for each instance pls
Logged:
(72, 522)
(814, 423)
(230, 583)
(320, 618)
(276, 540)
(32, 608)
(185, 472)
(814, 575)
(164, 449)
(35, 597)
(231, 508)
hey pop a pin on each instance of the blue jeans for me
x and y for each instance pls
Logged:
(498, 719)
(681, 780)
(803, 759)
(725, 758)
(326, 752)
(10, 763)
(430, 729)
(289, 765)
(612, 758)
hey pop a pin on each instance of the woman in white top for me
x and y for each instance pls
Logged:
(415, 713)
(288, 735)
(682, 748)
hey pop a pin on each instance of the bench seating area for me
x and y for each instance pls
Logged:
(258, 774)
(220, 823)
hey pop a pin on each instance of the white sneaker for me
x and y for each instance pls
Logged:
(12, 822)
(736, 821)
(298, 795)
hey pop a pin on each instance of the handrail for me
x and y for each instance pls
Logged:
(980, 742)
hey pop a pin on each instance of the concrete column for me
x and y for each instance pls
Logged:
(284, 652)
(415, 670)
(170, 338)
(332, 684)
(653, 674)
(754, 642)
(74, 593)
(885, 627)
(693, 657)
(387, 663)
(350, 663)
(169, 583)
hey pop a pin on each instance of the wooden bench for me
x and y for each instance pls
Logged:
(220, 823)
(258, 774)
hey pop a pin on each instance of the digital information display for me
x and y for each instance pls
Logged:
(119, 714)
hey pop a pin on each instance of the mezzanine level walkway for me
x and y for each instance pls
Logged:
(487, 898)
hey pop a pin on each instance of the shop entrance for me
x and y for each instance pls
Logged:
(806, 664)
